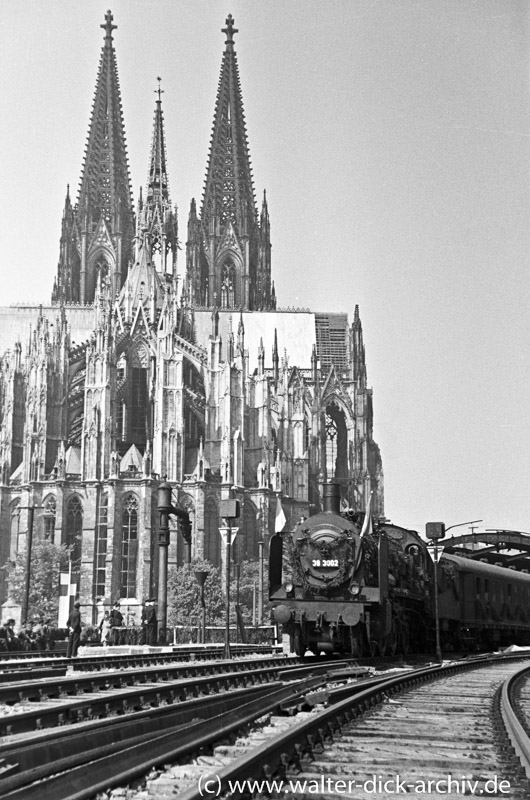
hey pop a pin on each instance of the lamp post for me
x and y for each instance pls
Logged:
(260, 582)
(436, 531)
(167, 509)
(27, 575)
(229, 510)
(201, 576)
(237, 573)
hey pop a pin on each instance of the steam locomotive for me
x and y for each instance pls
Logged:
(338, 589)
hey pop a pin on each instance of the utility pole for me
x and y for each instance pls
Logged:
(229, 510)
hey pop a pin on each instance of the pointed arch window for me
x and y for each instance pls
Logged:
(129, 547)
(100, 546)
(15, 530)
(228, 284)
(50, 512)
(102, 266)
(74, 530)
(336, 443)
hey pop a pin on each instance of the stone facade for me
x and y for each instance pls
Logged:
(136, 373)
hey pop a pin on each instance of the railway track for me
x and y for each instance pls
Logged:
(55, 764)
(33, 705)
(102, 659)
(437, 724)
(380, 728)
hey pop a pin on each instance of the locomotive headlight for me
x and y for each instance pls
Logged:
(289, 587)
(354, 589)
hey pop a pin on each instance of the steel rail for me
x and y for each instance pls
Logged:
(106, 700)
(517, 735)
(57, 685)
(26, 760)
(299, 741)
(100, 660)
(101, 771)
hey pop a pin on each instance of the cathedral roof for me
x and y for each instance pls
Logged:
(73, 461)
(17, 322)
(229, 189)
(132, 460)
(293, 331)
(143, 283)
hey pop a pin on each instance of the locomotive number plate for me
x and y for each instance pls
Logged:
(325, 562)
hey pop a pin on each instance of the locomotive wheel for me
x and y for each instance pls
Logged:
(405, 639)
(392, 641)
(299, 644)
(357, 646)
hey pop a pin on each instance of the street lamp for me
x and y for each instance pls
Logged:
(201, 576)
(260, 582)
(167, 509)
(229, 510)
(27, 576)
(436, 531)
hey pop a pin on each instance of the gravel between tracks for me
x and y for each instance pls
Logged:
(448, 729)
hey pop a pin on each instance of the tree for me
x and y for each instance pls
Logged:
(47, 561)
(248, 591)
(183, 595)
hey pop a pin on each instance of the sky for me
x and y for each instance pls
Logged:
(392, 138)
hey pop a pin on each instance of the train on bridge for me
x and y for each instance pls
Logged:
(336, 588)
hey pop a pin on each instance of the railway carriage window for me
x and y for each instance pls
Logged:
(478, 587)
(509, 590)
(486, 588)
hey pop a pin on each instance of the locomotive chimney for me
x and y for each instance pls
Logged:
(331, 497)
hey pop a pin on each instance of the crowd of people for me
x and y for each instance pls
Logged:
(34, 635)
(111, 629)
(39, 634)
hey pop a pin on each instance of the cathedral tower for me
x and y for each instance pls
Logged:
(97, 233)
(228, 248)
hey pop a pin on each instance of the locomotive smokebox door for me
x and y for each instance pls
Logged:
(435, 530)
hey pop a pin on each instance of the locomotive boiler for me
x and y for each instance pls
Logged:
(339, 589)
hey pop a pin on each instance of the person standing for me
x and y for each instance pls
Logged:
(13, 642)
(151, 623)
(116, 624)
(104, 628)
(74, 631)
(143, 621)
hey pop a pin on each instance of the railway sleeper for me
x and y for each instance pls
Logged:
(7, 769)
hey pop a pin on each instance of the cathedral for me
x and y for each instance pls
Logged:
(142, 369)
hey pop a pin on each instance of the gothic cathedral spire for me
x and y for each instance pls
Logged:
(157, 221)
(103, 222)
(228, 249)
